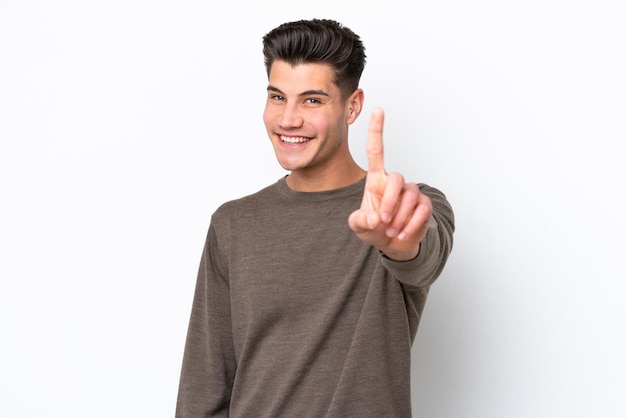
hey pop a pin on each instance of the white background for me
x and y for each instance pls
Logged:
(124, 124)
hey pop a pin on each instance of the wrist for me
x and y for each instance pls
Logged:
(401, 255)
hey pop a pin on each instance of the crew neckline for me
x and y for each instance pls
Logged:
(349, 190)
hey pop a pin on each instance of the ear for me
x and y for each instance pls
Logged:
(354, 106)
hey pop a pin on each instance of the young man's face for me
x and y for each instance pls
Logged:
(306, 118)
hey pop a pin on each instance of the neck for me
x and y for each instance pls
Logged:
(330, 179)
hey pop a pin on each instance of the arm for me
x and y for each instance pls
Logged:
(435, 247)
(397, 217)
(209, 363)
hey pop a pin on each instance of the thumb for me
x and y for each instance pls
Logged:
(363, 220)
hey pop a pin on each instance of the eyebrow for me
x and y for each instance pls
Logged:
(304, 93)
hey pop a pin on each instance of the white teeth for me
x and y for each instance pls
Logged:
(293, 140)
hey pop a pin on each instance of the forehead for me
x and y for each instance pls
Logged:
(302, 77)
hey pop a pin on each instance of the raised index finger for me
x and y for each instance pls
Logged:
(375, 141)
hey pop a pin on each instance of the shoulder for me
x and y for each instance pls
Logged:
(247, 205)
(436, 195)
(429, 190)
(442, 209)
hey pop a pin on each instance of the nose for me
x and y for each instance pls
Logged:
(290, 117)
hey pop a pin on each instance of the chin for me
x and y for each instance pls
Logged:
(288, 166)
(288, 162)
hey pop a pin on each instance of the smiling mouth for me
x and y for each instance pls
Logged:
(294, 139)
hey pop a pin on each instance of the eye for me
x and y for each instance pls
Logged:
(312, 100)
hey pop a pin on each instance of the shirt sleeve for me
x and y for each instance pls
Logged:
(435, 248)
(209, 364)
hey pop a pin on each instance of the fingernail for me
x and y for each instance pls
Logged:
(391, 232)
(385, 217)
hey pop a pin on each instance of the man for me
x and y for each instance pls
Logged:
(310, 291)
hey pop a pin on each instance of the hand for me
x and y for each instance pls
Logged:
(394, 215)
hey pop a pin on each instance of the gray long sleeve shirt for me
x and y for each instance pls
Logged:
(294, 316)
